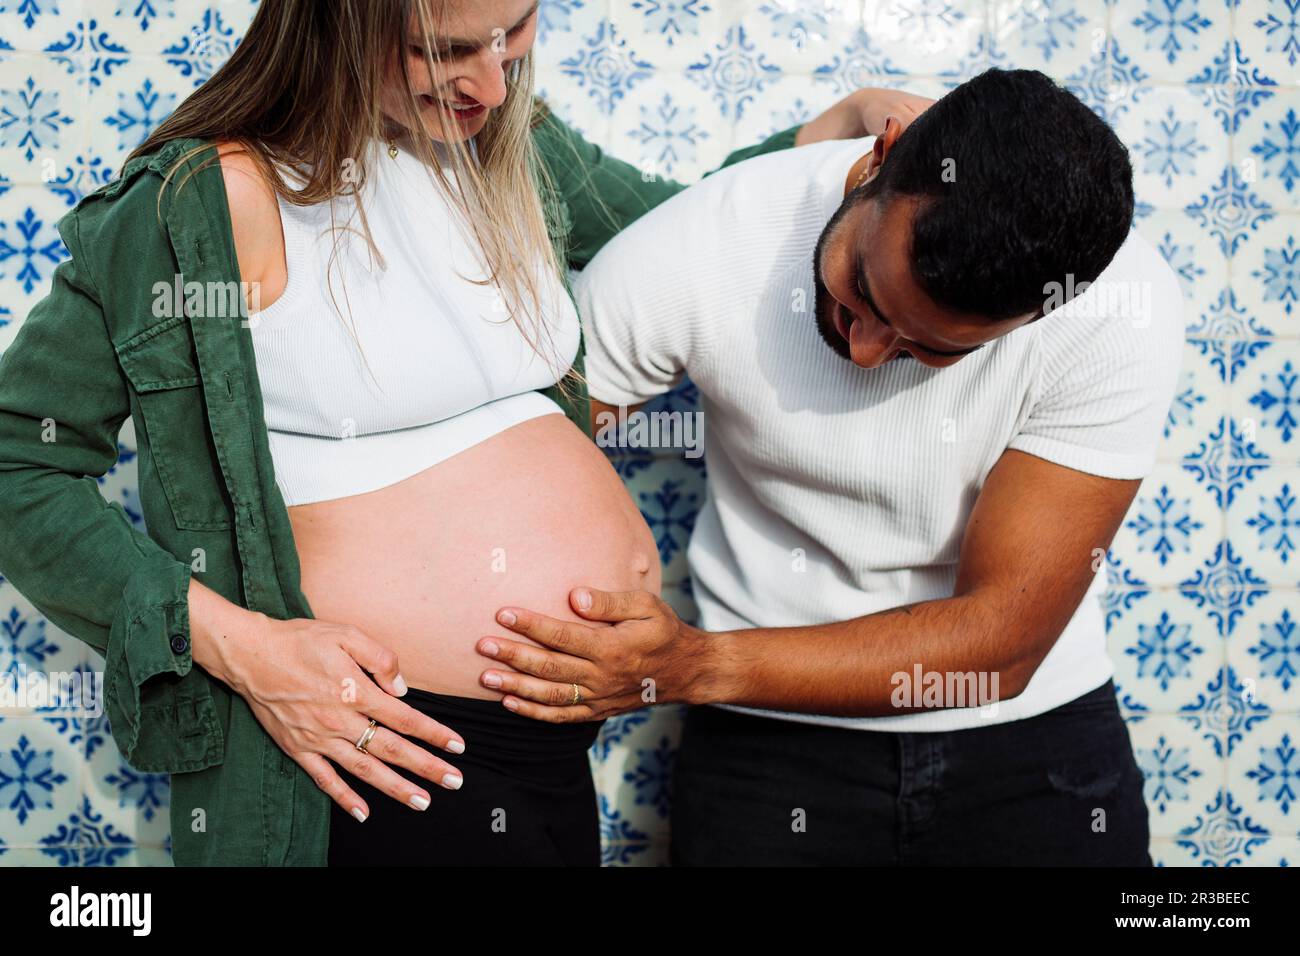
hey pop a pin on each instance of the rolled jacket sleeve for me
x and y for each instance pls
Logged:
(77, 557)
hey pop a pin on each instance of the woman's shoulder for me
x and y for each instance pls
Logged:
(133, 202)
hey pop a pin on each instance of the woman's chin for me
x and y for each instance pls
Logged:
(461, 130)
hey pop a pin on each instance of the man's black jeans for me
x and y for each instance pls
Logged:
(1061, 788)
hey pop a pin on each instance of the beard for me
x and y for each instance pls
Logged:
(823, 302)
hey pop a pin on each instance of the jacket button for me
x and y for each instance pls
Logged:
(179, 644)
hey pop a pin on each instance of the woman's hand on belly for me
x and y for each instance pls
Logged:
(307, 684)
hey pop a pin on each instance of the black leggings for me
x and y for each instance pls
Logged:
(528, 798)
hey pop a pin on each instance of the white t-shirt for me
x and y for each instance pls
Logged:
(868, 474)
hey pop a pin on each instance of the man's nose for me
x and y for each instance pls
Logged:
(876, 344)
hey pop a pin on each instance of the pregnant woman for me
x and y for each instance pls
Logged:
(347, 473)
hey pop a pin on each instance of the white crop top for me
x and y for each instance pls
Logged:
(450, 367)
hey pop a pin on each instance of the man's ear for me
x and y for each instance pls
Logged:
(883, 144)
(886, 140)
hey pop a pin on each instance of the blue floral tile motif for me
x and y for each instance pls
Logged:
(1164, 524)
(1224, 835)
(1169, 147)
(148, 793)
(734, 72)
(89, 53)
(1107, 81)
(24, 645)
(1279, 152)
(31, 119)
(146, 12)
(1277, 773)
(1123, 590)
(669, 134)
(1231, 212)
(607, 68)
(1279, 398)
(795, 24)
(978, 59)
(1187, 398)
(1050, 27)
(1225, 712)
(87, 838)
(1278, 649)
(1276, 522)
(1281, 25)
(616, 730)
(138, 113)
(673, 20)
(32, 10)
(1281, 275)
(28, 779)
(1164, 651)
(1167, 772)
(84, 176)
(1172, 25)
(618, 833)
(556, 16)
(651, 776)
(208, 44)
(1235, 86)
(1224, 588)
(39, 245)
(1225, 466)
(859, 63)
(91, 734)
(1181, 257)
(670, 512)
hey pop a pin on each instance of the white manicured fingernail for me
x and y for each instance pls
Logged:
(452, 781)
(400, 685)
(359, 814)
(456, 746)
(419, 801)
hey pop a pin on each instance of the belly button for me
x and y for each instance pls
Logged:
(641, 563)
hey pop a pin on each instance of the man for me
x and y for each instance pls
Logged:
(912, 484)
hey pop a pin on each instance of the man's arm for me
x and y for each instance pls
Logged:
(1031, 548)
(1030, 552)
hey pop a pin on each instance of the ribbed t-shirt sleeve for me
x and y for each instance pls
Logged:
(640, 301)
(1109, 368)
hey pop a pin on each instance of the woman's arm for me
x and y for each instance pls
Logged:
(76, 557)
(600, 195)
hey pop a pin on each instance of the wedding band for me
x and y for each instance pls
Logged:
(577, 695)
(367, 736)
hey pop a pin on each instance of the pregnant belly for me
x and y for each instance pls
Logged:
(423, 565)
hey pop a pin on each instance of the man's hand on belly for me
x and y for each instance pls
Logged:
(1029, 553)
(649, 656)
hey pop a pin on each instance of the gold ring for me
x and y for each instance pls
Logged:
(367, 736)
(577, 695)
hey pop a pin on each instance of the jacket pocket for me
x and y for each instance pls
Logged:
(175, 438)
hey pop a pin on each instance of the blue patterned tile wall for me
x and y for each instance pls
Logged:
(1202, 609)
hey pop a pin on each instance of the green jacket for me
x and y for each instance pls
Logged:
(94, 351)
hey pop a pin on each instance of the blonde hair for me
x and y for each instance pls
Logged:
(303, 90)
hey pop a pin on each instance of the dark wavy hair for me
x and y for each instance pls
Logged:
(1022, 186)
